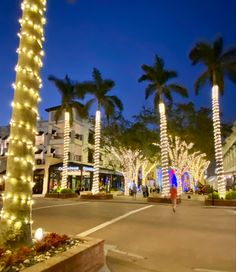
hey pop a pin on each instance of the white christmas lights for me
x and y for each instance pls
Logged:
(20, 158)
(95, 186)
(66, 150)
(217, 141)
(164, 151)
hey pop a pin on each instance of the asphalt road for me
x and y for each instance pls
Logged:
(145, 237)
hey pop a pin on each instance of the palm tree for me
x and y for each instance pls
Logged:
(218, 64)
(68, 101)
(99, 88)
(158, 77)
(17, 200)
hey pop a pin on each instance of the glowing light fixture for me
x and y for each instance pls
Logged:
(38, 235)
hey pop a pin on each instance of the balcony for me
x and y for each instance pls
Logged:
(39, 161)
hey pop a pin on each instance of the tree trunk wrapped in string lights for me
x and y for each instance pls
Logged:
(17, 200)
(164, 151)
(95, 187)
(66, 150)
(217, 141)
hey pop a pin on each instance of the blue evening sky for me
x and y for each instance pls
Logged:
(117, 37)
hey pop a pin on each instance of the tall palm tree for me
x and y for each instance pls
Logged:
(158, 77)
(99, 88)
(17, 200)
(218, 64)
(68, 101)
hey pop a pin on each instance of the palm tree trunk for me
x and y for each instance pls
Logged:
(17, 200)
(66, 150)
(164, 150)
(95, 187)
(217, 141)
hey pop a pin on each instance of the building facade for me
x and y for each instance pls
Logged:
(229, 159)
(49, 155)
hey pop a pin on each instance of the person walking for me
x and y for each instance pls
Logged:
(134, 190)
(173, 197)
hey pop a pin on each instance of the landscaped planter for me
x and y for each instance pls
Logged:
(220, 202)
(97, 196)
(162, 200)
(61, 195)
(87, 257)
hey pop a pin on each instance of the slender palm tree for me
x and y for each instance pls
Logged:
(68, 102)
(17, 200)
(218, 64)
(158, 77)
(99, 88)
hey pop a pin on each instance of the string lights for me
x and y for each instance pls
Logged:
(17, 200)
(66, 150)
(164, 151)
(217, 141)
(95, 186)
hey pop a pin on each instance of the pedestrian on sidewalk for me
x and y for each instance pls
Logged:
(173, 197)
(134, 190)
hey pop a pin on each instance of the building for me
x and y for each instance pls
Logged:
(229, 159)
(49, 155)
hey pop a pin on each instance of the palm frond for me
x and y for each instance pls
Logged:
(229, 56)
(201, 53)
(178, 89)
(150, 90)
(170, 74)
(230, 72)
(81, 110)
(97, 76)
(201, 80)
(159, 63)
(167, 94)
(116, 102)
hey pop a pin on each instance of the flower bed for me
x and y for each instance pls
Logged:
(220, 202)
(162, 200)
(61, 195)
(99, 196)
(55, 253)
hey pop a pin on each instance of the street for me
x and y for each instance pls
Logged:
(145, 236)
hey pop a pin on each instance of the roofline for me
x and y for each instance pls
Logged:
(57, 107)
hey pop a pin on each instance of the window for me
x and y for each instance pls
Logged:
(90, 155)
(79, 136)
(91, 137)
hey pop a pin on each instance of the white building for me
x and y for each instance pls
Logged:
(229, 158)
(49, 154)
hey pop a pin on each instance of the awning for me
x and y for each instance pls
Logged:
(39, 172)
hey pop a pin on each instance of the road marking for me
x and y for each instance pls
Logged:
(103, 225)
(128, 254)
(209, 270)
(59, 205)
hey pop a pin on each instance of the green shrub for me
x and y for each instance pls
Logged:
(233, 193)
(215, 195)
(53, 191)
(230, 195)
(66, 191)
(208, 189)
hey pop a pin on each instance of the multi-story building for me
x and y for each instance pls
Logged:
(229, 158)
(49, 154)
